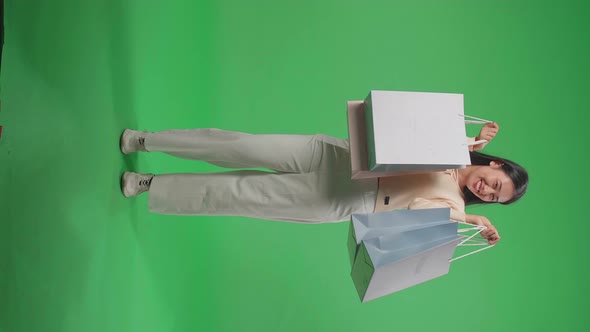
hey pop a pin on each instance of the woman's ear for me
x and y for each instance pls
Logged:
(496, 164)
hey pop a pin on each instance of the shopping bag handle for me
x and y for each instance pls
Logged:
(470, 241)
(477, 142)
(473, 120)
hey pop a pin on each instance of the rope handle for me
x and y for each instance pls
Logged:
(475, 242)
(475, 121)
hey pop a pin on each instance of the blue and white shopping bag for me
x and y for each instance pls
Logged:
(394, 250)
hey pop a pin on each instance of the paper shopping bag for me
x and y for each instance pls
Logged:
(377, 272)
(397, 132)
(365, 226)
(394, 250)
(415, 131)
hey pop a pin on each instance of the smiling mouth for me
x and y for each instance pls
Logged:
(478, 185)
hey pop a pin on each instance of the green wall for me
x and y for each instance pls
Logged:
(77, 256)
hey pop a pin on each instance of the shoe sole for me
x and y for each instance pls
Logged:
(126, 193)
(121, 145)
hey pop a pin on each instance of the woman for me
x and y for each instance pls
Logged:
(311, 182)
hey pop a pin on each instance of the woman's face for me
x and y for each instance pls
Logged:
(490, 183)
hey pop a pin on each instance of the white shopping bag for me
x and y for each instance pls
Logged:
(398, 132)
(417, 246)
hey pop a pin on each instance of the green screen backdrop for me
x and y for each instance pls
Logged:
(77, 256)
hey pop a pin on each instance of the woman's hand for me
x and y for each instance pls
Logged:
(490, 233)
(487, 132)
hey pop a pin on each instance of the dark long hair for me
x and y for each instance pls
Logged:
(515, 172)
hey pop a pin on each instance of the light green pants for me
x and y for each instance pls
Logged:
(311, 180)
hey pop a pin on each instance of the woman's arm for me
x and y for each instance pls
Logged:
(490, 233)
(487, 132)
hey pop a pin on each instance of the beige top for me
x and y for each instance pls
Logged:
(422, 191)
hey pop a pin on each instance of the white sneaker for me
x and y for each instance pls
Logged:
(133, 184)
(132, 141)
